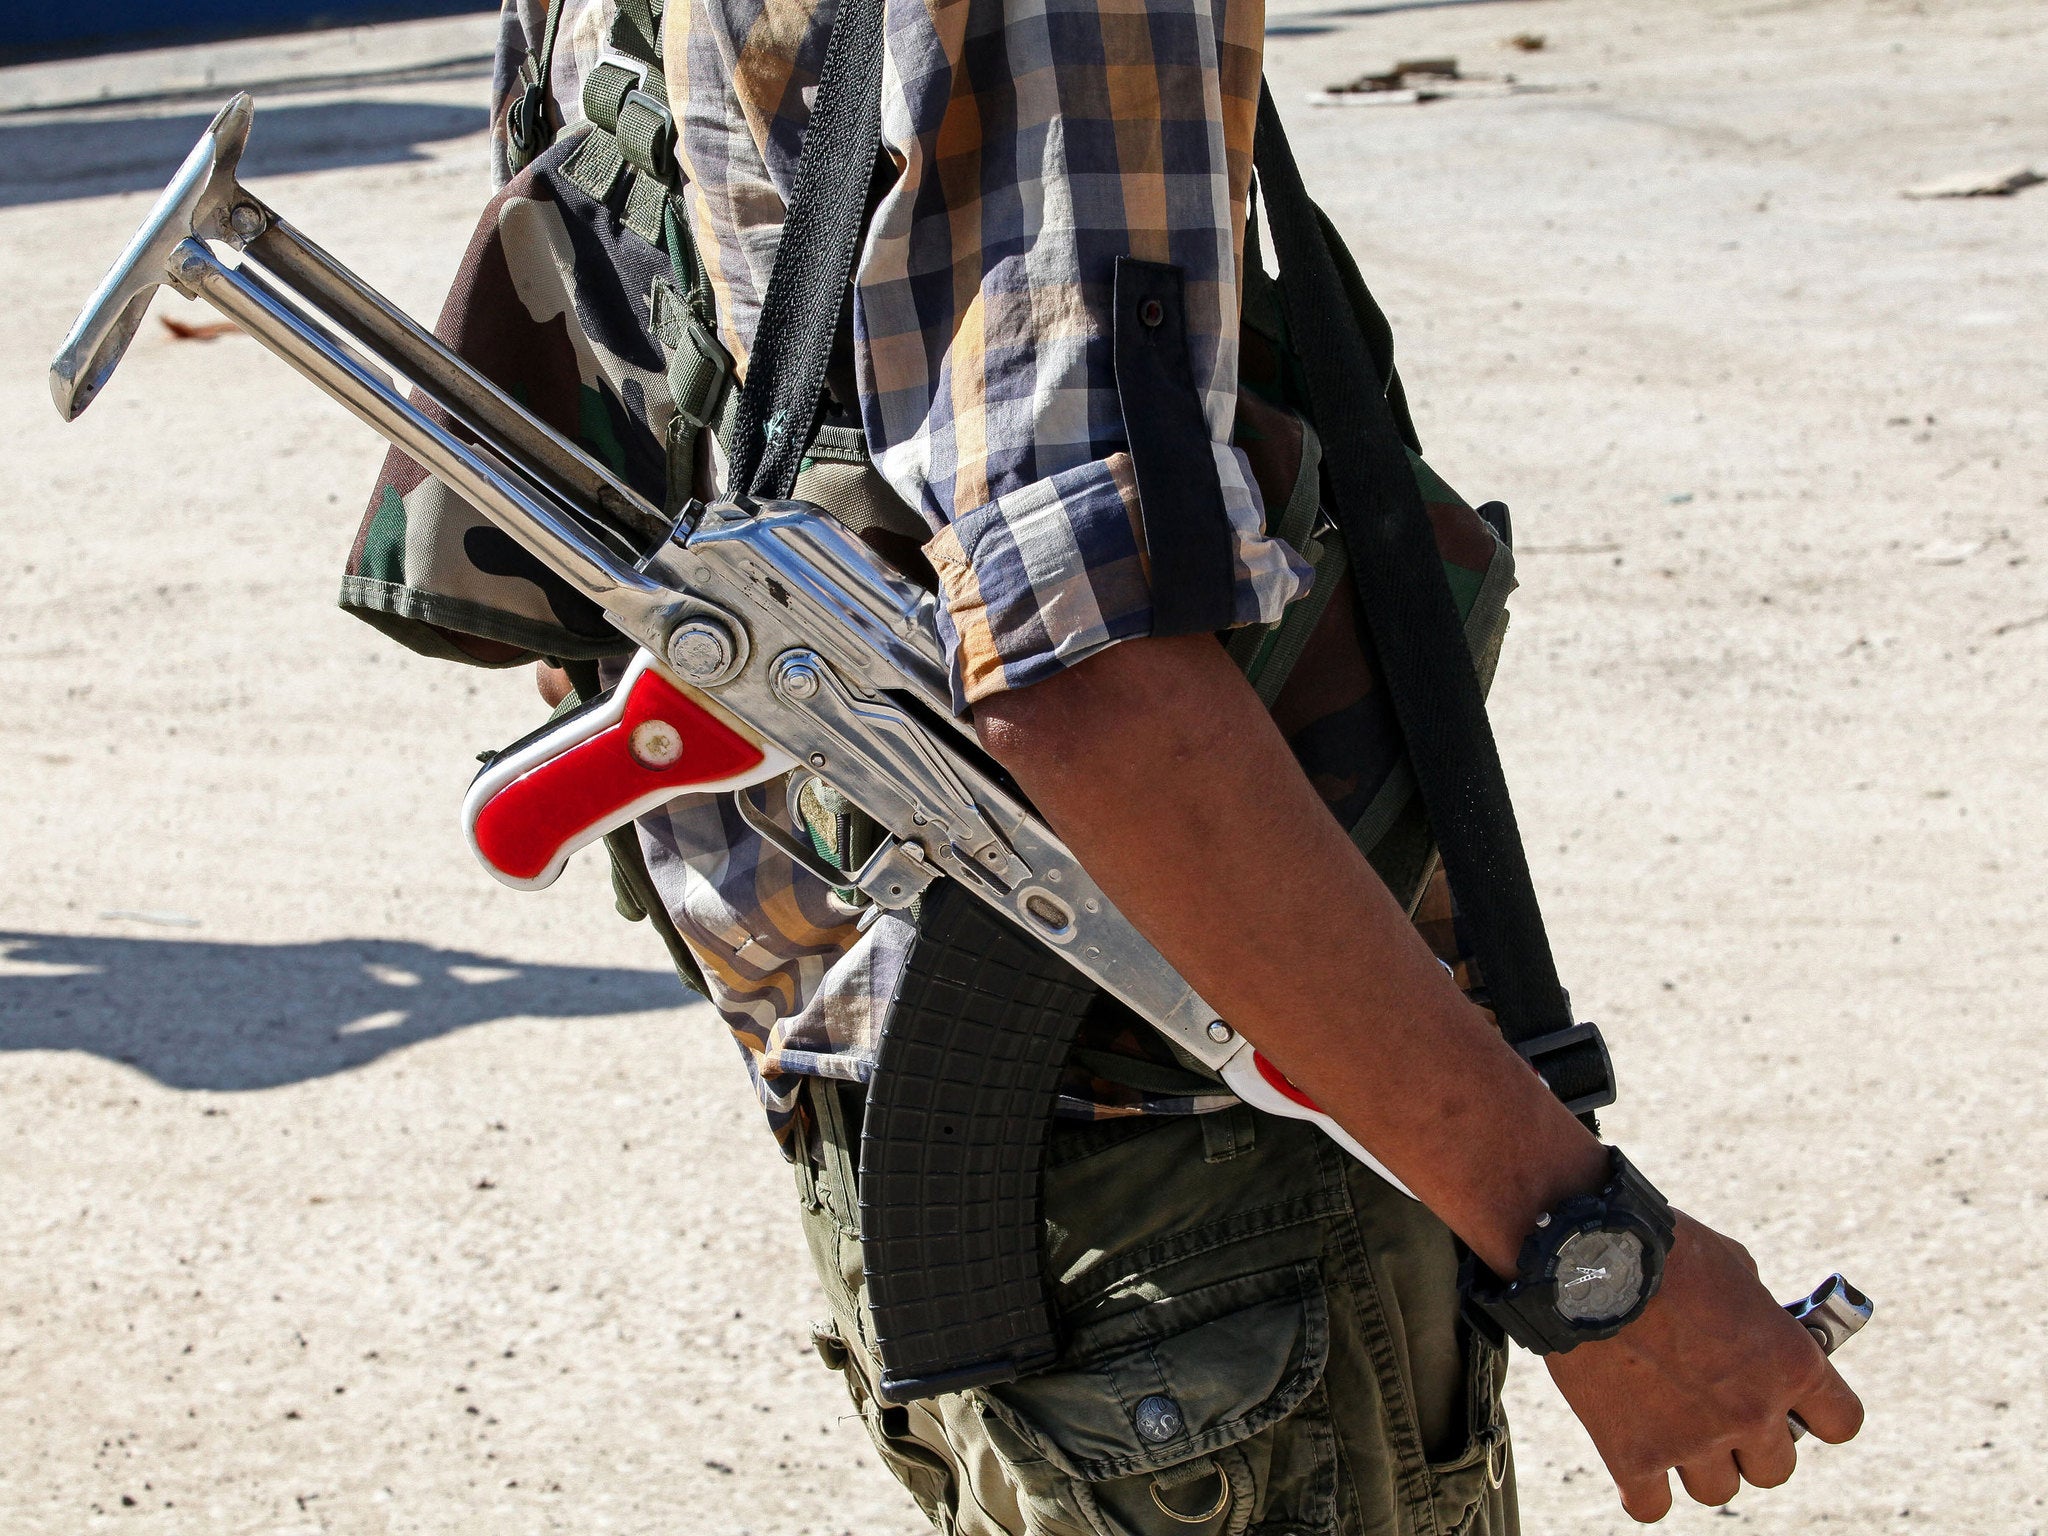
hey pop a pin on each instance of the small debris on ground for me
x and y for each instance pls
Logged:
(1527, 42)
(205, 330)
(2002, 183)
(1413, 81)
(1409, 74)
(1956, 551)
(1948, 551)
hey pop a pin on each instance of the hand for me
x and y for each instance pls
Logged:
(1702, 1382)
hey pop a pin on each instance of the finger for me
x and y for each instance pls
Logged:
(1711, 1479)
(1647, 1500)
(1831, 1411)
(1768, 1460)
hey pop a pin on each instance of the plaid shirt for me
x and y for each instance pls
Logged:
(1035, 141)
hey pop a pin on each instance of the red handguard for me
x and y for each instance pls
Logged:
(636, 749)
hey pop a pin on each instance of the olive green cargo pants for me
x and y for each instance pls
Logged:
(1261, 1339)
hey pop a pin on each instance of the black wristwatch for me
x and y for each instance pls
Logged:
(1587, 1271)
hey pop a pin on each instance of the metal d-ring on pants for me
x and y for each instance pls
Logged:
(1258, 1334)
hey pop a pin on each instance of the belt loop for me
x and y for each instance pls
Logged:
(1228, 1133)
(838, 1180)
(806, 1145)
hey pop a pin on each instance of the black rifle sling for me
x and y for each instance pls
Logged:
(1417, 640)
(955, 1121)
(807, 288)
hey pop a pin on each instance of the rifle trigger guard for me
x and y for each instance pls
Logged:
(791, 846)
(892, 878)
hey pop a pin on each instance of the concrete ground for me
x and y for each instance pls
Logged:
(346, 1191)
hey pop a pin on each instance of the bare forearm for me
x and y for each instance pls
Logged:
(1164, 773)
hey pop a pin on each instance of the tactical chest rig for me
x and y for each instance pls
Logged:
(773, 644)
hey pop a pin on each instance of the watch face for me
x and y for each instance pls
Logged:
(1599, 1276)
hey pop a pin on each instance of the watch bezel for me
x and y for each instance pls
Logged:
(1525, 1309)
(1619, 1223)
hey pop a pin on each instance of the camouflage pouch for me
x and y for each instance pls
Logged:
(553, 303)
(580, 295)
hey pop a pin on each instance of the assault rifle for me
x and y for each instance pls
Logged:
(772, 645)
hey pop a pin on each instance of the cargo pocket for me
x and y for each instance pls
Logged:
(1465, 1486)
(1196, 1414)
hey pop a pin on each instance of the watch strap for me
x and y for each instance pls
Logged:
(1525, 1308)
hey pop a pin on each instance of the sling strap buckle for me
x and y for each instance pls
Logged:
(624, 96)
(646, 131)
(526, 124)
(1574, 1064)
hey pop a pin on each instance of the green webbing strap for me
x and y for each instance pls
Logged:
(528, 128)
(636, 28)
(597, 164)
(633, 132)
(699, 367)
(1266, 653)
(693, 282)
(642, 210)
(698, 374)
(604, 92)
(647, 137)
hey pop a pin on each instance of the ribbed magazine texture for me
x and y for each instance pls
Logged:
(952, 1154)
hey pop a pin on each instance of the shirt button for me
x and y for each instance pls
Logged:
(1151, 312)
(1158, 1418)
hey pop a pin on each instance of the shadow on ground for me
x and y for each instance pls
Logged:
(47, 160)
(228, 1017)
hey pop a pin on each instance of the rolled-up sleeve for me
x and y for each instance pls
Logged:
(1038, 142)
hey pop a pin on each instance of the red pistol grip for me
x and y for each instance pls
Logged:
(625, 754)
